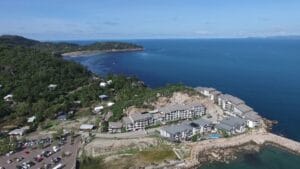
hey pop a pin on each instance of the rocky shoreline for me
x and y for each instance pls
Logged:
(85, 53)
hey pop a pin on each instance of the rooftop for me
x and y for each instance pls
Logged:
(253, 116)
(244, 108)
(200, 122)
(140, 116)
(232, 99)
(173, 107)
(86, 127)
(233, 121)
(209, 89)
(225, 127)
(115, 125)
(174, 129)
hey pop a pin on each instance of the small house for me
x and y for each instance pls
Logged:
(103, 97)
(86, 127)
(8, 98)
(115, 127)
(31, 119)
(109, 82)
(109, 104)
(18, 132)
(97, 109)
(52, 86)
(62, 116)
(103, 84)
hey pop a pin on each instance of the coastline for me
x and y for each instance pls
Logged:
(86, 53)
(231, 146)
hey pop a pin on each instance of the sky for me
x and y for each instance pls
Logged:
(138, 19)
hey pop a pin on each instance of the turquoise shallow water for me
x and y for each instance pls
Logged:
(268, 158)
(263, 72)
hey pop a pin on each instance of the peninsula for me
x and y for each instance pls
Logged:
(57, 113)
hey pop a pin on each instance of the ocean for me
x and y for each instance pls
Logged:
(265, 73)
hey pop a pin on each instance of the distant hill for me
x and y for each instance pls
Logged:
(63, 47)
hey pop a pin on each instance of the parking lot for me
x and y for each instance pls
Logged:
(35, 159)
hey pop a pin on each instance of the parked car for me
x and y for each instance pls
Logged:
(19, 159)
(55, 149)
(38, 158)
(56, 160)
(9, 153)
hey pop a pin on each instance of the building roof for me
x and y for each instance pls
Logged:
(200, 122)
(216, 92)
(253, 116)
(209, 89)
(31, 119)
(244, 108)
(52, 85)
(103, 96)
(174, 129)
(233, 121)
(19, 131)
(110, 104)
(86, 127)
(225, 127)
(126, 120)
(232, 99)
(194, 104)
(115, 125)
(140, 116)
(173, 107)
(62, 117)
(9, 96)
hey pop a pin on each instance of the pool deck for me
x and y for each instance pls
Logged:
(259, 137)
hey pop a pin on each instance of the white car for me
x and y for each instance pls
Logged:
(55, 149)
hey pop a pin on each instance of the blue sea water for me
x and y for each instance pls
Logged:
(265, 73)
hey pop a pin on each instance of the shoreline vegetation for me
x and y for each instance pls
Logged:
(87, 53)
(43, 85)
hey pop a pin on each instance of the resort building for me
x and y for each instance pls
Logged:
(186, 129)
(228, 103)
(201, 126)
(115, 127)
(252, 119)
(212, 93)
(180, 112)
(178, 132)
(232, 125)
(241, 109)
(138, 121)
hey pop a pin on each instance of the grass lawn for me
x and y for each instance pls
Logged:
(156, 154)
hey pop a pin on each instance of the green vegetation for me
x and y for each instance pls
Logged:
(157, 154)
(62, 47)
(26, 71)
(90, 162)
